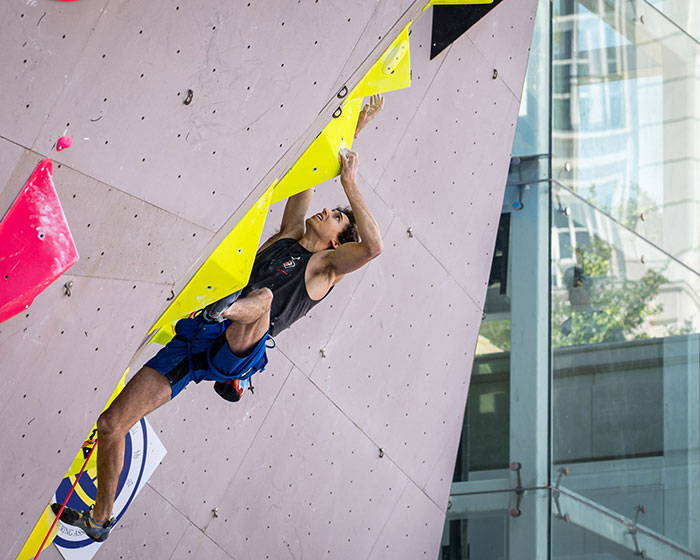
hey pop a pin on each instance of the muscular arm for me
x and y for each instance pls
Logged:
(297, 205)
(293, 218)
(351, 256)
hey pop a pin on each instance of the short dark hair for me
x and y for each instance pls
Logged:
(350, 233)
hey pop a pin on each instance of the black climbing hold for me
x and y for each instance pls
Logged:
(188, 98)
(337, 112)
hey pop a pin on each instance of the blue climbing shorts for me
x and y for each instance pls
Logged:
(199, 352)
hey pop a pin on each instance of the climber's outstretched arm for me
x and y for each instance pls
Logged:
(295, 212)
(293, 218)
(297, 206)
(369, 111)
(351, 256)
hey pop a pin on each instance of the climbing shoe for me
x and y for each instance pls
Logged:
(84, 520)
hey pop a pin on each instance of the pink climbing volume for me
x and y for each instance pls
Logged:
(36, 245)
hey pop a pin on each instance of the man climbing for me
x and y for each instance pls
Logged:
(226, 342)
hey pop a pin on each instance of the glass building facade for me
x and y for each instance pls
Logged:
(581, 437)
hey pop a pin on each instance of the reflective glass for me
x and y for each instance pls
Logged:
(485, 433)
(481, 536)
(684, 13)
(626, 116)
(481, 527)
(626, 372)
(532, 134)
(573, 542)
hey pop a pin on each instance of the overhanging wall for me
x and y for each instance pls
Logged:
(295, 469)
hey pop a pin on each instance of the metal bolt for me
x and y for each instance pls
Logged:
(323, 352)
(562, 472)
(637, 510)
(67, 287)
(409, 231)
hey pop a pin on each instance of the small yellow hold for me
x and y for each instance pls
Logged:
(393, 58)
(392, 70)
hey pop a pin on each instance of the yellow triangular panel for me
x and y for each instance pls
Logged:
(455, 2)
(226, 270)
(320, 160)
(33, 542)
(391, 72)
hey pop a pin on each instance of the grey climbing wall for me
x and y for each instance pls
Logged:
(296, 469)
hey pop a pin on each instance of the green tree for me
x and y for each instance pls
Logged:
(497, 333)
(599, 306)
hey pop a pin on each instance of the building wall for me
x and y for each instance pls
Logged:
(294, 470)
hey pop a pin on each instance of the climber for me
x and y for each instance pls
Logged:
(293, 271)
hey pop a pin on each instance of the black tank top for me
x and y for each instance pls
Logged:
(281, 267)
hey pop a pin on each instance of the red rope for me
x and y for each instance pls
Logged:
(63, 505)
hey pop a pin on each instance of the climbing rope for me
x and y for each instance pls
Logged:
(63, 505)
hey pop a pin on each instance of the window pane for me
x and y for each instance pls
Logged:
(626, 116)
(626, 372)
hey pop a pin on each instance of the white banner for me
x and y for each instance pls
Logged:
(143, 453)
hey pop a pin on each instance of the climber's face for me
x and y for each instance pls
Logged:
(328, 225)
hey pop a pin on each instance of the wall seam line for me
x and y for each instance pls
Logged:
(108, 185)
